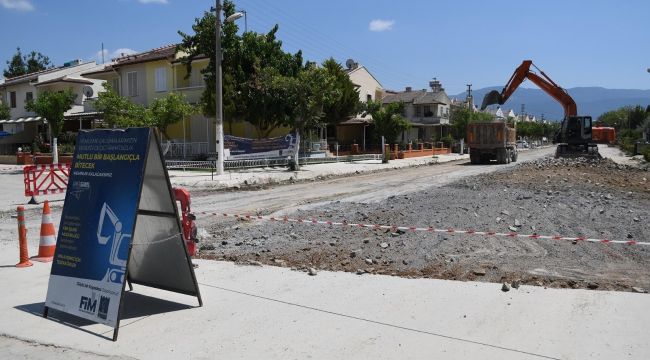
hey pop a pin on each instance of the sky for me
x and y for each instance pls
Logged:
(402, 43)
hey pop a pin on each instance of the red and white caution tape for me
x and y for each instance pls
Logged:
(344, 223)
(13, 168)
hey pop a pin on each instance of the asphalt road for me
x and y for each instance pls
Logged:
(364, 188)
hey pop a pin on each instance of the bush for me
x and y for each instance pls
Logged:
(646, 154)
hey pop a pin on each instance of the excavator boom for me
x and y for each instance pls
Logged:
(545, 83)
(575, 135)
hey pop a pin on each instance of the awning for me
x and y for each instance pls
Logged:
(23, 120)
(83, 114)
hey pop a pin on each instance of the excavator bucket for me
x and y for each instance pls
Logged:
(491, 98)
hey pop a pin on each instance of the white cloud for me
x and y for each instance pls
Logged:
(21, 5)
(108, 55)
(153, 1)
(381, 25)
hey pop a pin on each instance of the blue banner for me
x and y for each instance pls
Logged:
(96, 226)
(244, 148)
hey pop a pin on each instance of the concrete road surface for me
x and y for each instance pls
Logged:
(255, 312)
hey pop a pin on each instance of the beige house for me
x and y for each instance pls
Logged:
(24, 126)
(427, 111)
(152, 74)
(355, 130)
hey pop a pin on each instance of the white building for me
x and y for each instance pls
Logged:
(23, 126)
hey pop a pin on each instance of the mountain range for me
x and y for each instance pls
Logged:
(591, 101)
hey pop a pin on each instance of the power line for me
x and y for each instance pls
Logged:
(332, 45)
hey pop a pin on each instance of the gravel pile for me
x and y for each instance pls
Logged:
(570, 197)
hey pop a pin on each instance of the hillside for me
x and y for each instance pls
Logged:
(591, 100)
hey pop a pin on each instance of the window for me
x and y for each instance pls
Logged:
(427, 111)
(115, 85)
(196, 78)
(418, 111)
(132, 81)
(587, 125)
(161, 79)
(29, 96)
(12, 99)
(368, 98)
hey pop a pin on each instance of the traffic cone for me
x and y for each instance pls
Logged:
(22, 239)
(48, 236)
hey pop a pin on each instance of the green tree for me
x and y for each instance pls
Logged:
(5, 111)
(261, 91)
(256, 72)
(387, 119)
(26, 64)
(169, 110)
(344, 95)
(52, 105)
(309, 96)
(119, 111)
(461, 117)
(203, 43)
(635, 117)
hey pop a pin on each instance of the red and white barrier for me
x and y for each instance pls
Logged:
(344, 223)
(46, 179)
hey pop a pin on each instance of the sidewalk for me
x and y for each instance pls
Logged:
(253, 312)
(263, 176)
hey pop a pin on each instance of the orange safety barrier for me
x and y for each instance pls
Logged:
(45, 179)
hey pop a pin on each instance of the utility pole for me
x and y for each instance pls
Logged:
(218, 96)
(470, 99)
(523, 112)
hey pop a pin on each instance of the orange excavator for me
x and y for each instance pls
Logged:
(575, 135)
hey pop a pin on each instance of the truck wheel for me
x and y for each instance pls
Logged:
(508, 156)
(473, 157)
(514, 155)
(501, 156)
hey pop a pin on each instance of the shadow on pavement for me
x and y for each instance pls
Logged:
(134, 306)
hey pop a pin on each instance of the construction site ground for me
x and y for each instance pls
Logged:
(567, 197)
(376, 294)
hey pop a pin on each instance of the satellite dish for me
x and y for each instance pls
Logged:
(88, 91)
(350, 64)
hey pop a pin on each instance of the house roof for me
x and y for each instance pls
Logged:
(65, 79)
(353, 70)
(417, 97)
(438, 97)
(166, 52)
(28, 77)
(404, 96)
(34, 76)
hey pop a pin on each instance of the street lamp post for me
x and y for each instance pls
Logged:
(219, 86)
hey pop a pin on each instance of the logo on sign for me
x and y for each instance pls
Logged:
(88, 305)
(103, 307)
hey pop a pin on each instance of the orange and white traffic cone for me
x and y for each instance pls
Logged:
(22, 239)
(48, 236)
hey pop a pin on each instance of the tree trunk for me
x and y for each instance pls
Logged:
(55, 151)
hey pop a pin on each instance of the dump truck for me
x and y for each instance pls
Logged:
(492, 141)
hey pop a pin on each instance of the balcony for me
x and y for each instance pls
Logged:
(192, 93)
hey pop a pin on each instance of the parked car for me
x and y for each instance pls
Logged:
(522, 144)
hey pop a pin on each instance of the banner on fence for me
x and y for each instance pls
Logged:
(244, 148)
(119, 223)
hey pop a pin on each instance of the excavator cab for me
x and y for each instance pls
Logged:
(574, 137)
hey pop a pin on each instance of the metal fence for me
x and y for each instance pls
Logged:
(180, 149)
(210, 165)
